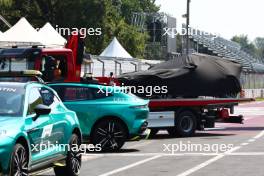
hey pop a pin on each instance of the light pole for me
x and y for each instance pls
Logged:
(187, 26)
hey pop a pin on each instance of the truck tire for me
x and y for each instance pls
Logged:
(185, 125)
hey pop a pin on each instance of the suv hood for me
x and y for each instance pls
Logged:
(10, 125)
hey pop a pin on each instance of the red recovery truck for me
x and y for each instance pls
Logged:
(179, 116)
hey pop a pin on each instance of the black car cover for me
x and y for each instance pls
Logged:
(192, 76)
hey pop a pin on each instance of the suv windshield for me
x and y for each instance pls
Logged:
(11, 100)
(15, 64)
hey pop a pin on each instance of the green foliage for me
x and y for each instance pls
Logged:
(130, 6)
(259, 43)
(112, 16)
(255, 48)
(245, 44)
(129, 36)
(5, 3)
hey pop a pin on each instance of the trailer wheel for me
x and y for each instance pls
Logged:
(185, 125)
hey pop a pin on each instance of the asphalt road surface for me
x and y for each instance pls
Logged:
(227, 150)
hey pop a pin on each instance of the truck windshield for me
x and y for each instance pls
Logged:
(15, 64)
(11, 101)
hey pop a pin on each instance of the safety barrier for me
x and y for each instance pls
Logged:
(252, 93)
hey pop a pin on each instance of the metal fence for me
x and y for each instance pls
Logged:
(252, 80)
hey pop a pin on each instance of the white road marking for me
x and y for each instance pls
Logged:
(155, 154)
(208, 162)
(247, 154)
(232, 150)
(259, 135)
(251, 140)
(130, 166)
(216, 128)
(90, 157)
(200, 166)
(46, 171)
(214, 159)
(244, 144)
(179, 154)
(138, 145)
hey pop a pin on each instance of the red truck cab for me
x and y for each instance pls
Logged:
(19, 59)
(66, 63)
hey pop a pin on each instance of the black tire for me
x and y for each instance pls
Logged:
(185, 125)
(19, 161)
(73, 160)
(153, 132)
(111, 134)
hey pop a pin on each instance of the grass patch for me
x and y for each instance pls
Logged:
(259, 99)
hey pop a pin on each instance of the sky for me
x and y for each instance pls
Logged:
(224, 17)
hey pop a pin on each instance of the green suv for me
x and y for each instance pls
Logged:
(37, 131)
(108, 115)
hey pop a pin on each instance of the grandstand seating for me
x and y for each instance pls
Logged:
(227, 49)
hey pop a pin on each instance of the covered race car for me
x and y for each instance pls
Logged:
(189, 77)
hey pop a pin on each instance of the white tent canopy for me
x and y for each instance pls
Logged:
(50, 37)
(115, 50)
(22, 32)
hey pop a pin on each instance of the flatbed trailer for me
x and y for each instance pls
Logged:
(182, 117)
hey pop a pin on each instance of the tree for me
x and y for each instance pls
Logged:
(130, 6)
(259, 43)
(5, 2)
(112, 16)
(245, 44)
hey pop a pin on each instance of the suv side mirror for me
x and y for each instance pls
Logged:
(41, 110)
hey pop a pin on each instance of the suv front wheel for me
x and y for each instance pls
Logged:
(19, 161)
(73, 160)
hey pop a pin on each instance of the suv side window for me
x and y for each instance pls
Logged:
(98, 94)
(60, 91)
(49, 98)
(75, 93)
(78, 93)
(34, 100)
